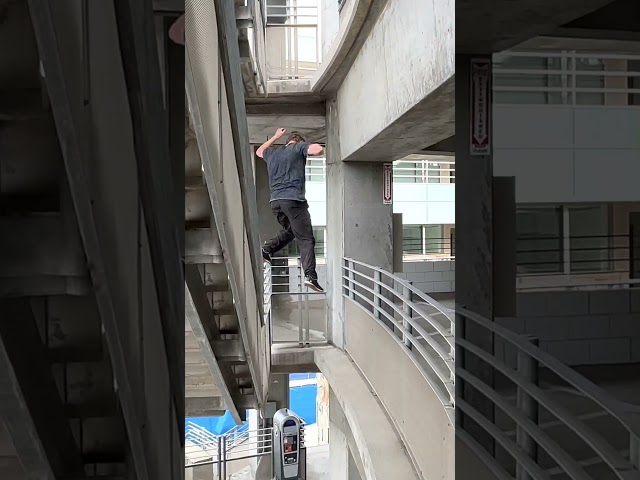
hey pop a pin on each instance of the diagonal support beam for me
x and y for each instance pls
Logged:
(157, 179)
(30, 404)
(75, 166)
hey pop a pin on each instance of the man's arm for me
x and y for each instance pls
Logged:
(279, 133)
(315, 149)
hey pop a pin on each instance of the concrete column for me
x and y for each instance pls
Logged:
(474, 242)
(359, 225)
(279, 390)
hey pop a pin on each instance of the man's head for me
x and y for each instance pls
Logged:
(295, 137)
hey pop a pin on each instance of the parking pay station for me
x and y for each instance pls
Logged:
(289, 454)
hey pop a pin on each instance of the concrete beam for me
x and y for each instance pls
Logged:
(75, 165)
(156, 180)
(316, 109)
(312, 128)
(488, 27)
(30, 404)
(286, 359)
(230, 59)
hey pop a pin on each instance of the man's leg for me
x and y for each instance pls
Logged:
(298, 215)
(284, 236)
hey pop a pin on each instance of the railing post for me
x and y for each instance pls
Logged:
(219, 459)
(224, 457)
(300, 305)
(528, 368)
(350, 268)
(407, 296)
(377, 301)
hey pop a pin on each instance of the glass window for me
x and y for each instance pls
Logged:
(412, 239)
(539, 239)
(589, 80)
(434, 173)
(315, 170)
(528, 86)
(589, 239)
(434, 238)
(406, 172)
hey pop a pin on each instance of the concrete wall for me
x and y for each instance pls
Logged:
(568, 154)
(423, 425)
(408, 54)
(581, 328)
(329, 23)
(431, 277)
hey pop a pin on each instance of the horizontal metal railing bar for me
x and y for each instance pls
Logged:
(447, 401)
(532, 468)
(410, 320)
(616, 408)
(566, 71)
(602, 56)
(566, 89)
(297, 294)
(446, 333)
(611, 456)
(444, 377)
(568, 463)
(262, 454)
(411, 288)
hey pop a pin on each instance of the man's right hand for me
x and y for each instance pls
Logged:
(279, 133)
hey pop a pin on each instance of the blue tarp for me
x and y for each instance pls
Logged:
(303, 402)
(216, 425)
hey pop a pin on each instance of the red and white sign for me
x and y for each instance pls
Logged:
(387, 184)
(480, 107)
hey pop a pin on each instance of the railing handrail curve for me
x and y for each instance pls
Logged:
(616, 408)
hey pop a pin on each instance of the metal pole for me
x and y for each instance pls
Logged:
(219, 459)
(350, 283)
(376, 290)
(528, 368)
(408, 311)
(224, 457)
(300, 306)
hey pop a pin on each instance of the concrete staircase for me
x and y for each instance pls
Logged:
(217, 376)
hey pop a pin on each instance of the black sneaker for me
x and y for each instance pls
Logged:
(313, 284)
(266, 257)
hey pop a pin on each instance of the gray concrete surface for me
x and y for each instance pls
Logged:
(428, 435)
(381, 451)
(407, 65)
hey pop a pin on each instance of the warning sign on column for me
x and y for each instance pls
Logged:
(480, 107)
(387, 182)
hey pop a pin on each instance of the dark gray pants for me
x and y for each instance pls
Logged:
(296, 223)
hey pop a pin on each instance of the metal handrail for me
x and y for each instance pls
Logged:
(565, 75)
(233, 446)
(400, 309)
(531, 394)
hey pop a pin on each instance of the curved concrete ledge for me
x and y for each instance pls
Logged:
(359, 16)
(381, 452)
(412, 404)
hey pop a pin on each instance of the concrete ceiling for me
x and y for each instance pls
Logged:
(262, 127)
(484, 27)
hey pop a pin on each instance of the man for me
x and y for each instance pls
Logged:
(286, 167)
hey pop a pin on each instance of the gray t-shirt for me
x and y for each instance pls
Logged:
(286, 171)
